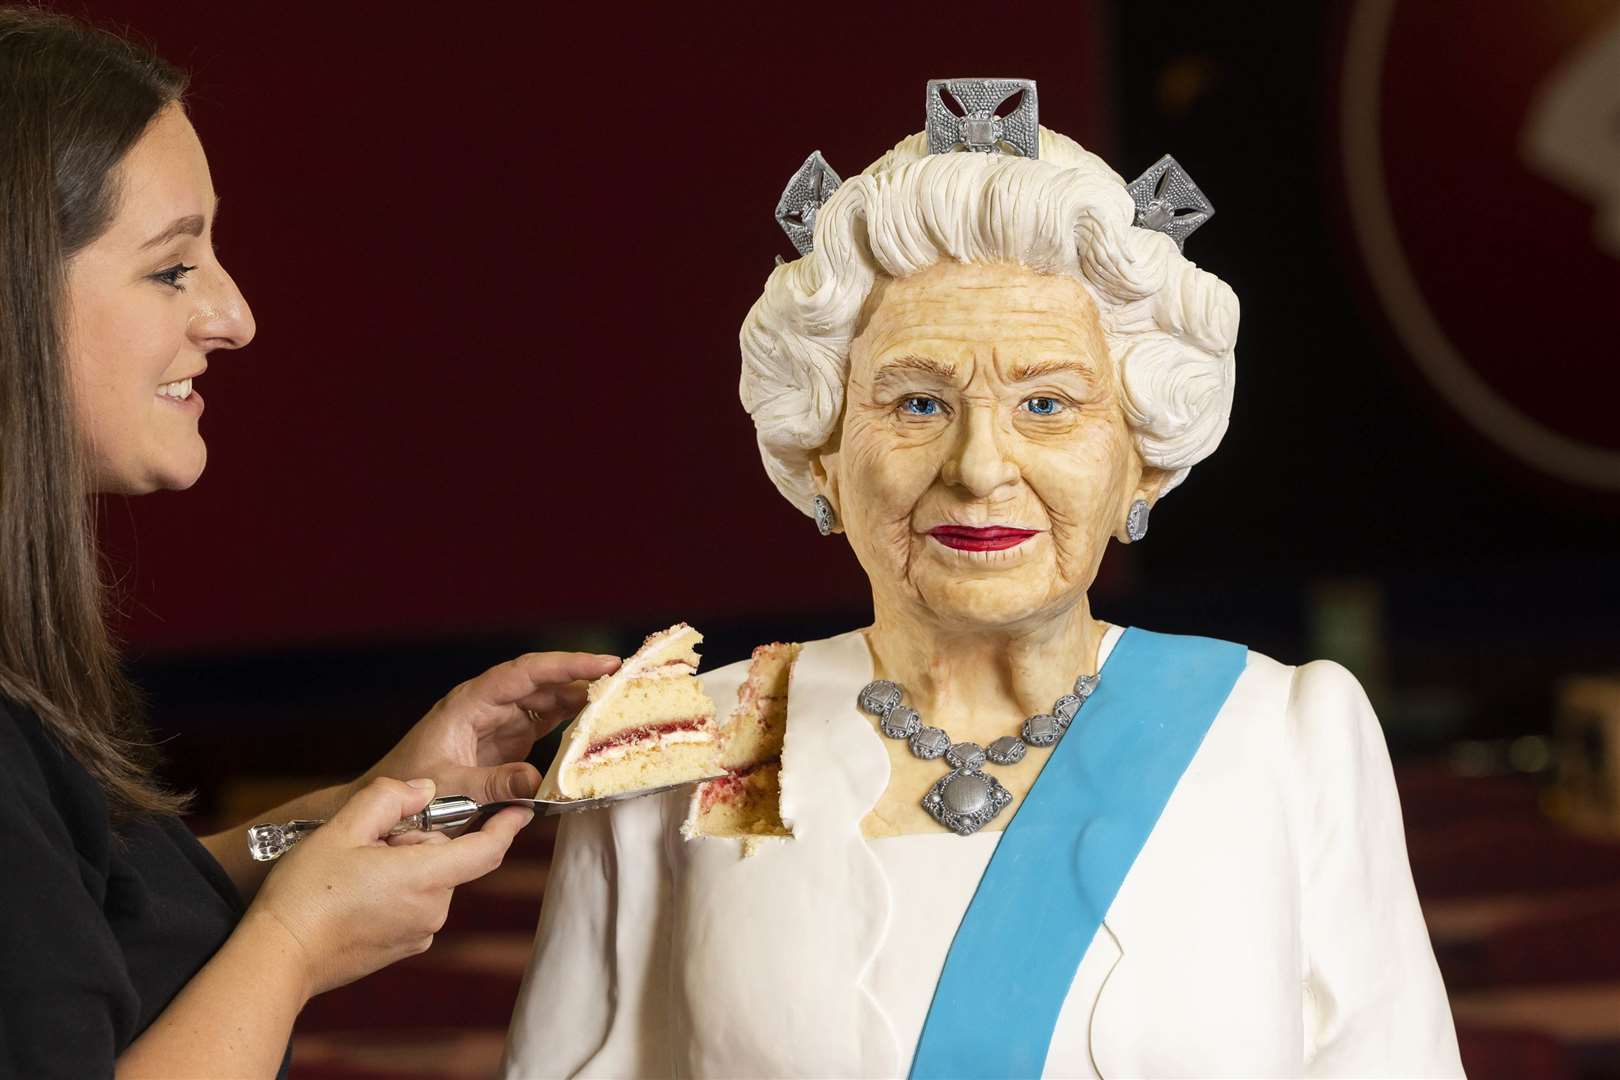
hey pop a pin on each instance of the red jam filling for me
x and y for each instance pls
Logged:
(732, 786)
(644, 732)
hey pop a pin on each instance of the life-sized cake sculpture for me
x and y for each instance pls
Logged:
(993, 834)
(646, 725)
(747, 800)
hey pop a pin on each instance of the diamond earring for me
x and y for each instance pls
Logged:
(825, 518)
(1136, 522)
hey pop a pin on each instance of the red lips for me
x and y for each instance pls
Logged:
(991, 538)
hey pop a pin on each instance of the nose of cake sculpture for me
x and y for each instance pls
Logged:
(646, 725)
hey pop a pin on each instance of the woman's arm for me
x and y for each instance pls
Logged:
(472, 742)
(341, 905)
(234, 1017)
(1374, 1003)
(230, 847)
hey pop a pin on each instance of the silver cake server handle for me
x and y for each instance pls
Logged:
(270, 841)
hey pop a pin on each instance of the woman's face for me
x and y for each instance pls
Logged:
(147, 302)
(984, 459)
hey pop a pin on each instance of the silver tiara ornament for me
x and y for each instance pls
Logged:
(1166, 198)
(1168, 201)
(807, 191)
(977, 123)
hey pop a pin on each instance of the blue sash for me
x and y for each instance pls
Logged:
(1063, 856)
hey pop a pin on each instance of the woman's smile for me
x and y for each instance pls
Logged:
(181, 395)
(980, 538)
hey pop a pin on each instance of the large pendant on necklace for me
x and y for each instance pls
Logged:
(966, 798)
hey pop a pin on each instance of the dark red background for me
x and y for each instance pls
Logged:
(499, 255)
(498, 270)
(1502, 252)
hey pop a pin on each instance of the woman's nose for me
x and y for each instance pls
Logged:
(223, 319)
(977, 462)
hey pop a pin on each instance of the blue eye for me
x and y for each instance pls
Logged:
(1044, 406)
(920, 406)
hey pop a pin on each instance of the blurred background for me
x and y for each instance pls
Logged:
(499, 254)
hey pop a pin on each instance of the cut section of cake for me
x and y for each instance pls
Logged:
(646, 725)
(746, 802)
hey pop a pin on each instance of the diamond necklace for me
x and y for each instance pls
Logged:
(967, 797)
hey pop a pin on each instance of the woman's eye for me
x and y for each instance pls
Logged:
(173, 275)
(919, 406)
(1044, 406)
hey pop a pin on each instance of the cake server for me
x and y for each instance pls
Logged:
(269, 841)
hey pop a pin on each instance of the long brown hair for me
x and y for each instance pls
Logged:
(73, 100)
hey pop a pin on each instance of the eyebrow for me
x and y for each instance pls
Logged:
(1039, 369)
(923, 365)
(190, 225)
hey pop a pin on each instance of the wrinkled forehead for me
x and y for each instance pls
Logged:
(978, 313)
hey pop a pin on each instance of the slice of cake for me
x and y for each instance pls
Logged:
(646, 725)
(746, 802)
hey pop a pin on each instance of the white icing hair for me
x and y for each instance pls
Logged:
(1169, 326)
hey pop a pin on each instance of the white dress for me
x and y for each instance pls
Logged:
(1269, 926)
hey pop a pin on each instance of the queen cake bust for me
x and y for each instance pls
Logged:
(1019, 840)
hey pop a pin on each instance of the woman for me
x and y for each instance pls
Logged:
(126, 944)
(983, 370)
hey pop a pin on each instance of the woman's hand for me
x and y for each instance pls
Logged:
(353, 903)
(474, 740)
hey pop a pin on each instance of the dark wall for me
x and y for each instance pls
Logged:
(499, 261)
(1344, 459)
(499, 256)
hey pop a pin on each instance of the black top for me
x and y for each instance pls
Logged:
(98, 932)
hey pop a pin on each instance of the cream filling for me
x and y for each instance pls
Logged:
(616, 753)
(574, 746)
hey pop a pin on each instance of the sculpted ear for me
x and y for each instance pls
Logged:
(1151, 485)
(824, 472)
